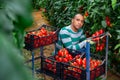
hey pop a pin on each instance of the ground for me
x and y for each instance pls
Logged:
(40, 19)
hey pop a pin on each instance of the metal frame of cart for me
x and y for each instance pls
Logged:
(87, 56)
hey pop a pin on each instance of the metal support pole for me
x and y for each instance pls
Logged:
(88, 61)
(106, 56)
(41, 54)
(41, 51)
(55, 48)
(32, 52)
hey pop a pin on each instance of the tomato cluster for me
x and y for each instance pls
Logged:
(42, 32)
(107, 19)
(86, 14)
(78, 66)
(100, 42)
(81, 63)
(97, 33)
(63, 55)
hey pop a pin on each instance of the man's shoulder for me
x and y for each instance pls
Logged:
(65, 27)
(65, 30)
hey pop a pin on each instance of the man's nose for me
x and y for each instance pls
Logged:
(79, 22)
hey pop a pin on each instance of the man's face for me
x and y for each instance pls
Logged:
(77, 21)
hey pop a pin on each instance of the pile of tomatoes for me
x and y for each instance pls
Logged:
(42, 32)
(100, 41)
(76, 65)
(63, 55)
(40, 37)
(81, 63)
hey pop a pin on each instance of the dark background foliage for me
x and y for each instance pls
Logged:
(99, 14)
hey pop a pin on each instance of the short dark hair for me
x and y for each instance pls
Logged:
(77, 14)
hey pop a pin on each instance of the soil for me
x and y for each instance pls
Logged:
(39, 20)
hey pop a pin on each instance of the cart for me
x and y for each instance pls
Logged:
(58, 74)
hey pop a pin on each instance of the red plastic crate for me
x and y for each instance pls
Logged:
(53, 67)
(74, 73)
(33, 41)
(50, 66)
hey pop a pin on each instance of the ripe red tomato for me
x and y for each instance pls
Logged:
(97, 39)
(96, 33)
(95, 64)
(104, 39)
(84, 61)
(108, 23)
(60, 53)
(93, 35)
(86, 14)
(77, 56)
(60, 59)
(69, 57)
(48, 61)
(97, 48)
(92, 66)
(74, 64)
(79, 61)
(65, 60)
(101, 31)
(43, 31)
(51, 33)
(56, 57)
(103, 45)
(101, 48)
(49, 66)
(99, 62)
(63, 52)
(84, 66)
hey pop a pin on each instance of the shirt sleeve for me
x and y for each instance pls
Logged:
(82, 37)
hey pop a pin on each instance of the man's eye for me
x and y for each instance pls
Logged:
(78, 19)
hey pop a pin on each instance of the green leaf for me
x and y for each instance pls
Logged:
(107, 10)
(113, 3)
(13, 12)
(6, 24)
(118, 17)
(118, 31)
(118, 37)
(87, 20)
(117, 46)
(103, 24)
(12, 61)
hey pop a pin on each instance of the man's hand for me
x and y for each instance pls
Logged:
(90, 41)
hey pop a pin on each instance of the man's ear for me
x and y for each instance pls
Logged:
(72, 21)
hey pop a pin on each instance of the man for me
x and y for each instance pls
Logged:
(72, 36)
